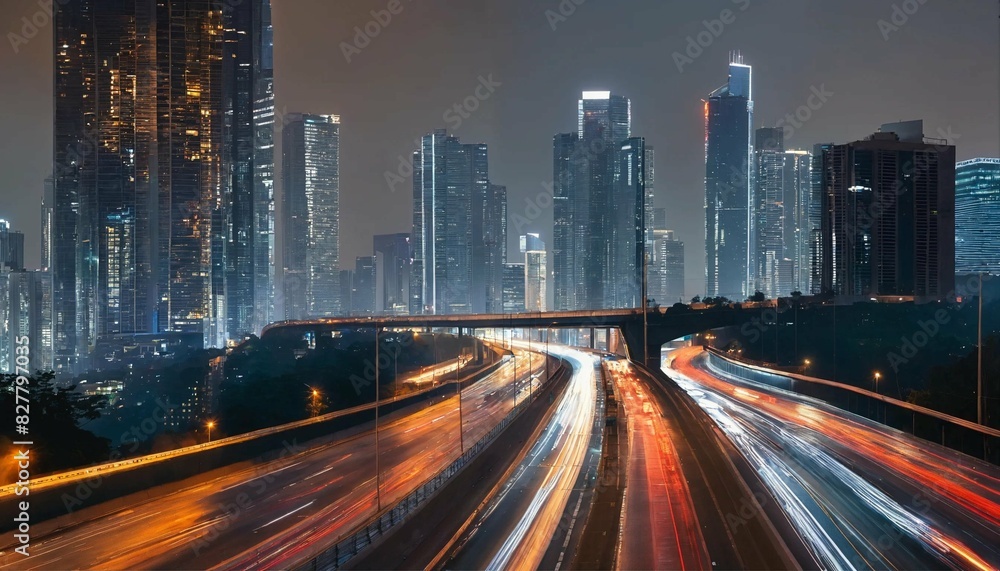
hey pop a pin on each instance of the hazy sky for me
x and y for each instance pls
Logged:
(938, 63)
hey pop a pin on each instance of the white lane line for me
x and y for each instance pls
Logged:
(286, 515)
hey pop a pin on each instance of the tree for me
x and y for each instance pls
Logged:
(758, 297)
(696, 299)
(56, 418)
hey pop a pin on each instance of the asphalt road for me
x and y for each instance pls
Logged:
(859, 493)
(518, 527)
(273, 514)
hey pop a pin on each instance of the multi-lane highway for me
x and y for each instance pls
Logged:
(532, 509)
(860, 494)
(660, 528)
(273, 514)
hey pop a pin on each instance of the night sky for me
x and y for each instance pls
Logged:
(940, 65)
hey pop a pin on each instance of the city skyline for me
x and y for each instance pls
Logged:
(778, 93)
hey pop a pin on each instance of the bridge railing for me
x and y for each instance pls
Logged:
(338, 555)
(956, 433)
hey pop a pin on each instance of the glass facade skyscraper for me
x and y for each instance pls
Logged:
(248, 207)
(728, 152)
(311, 175)
(459, 228)
(977, 216)
(393, 261)
(888, 216)
(588, 173)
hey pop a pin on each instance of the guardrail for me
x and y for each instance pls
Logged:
(338, 555)
(956, 433)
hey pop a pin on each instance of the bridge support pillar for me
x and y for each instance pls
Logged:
(593, 340)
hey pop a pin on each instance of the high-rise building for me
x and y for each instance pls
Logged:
(650, 202)
(11, 247)
(311, 175)
(108, 112)
(588, 175)
(816, 215)
(47, 212)
(566, 201)
(248, 183)
(977, 216)
(459, 228)
(728, 152)
(767, 210)
(346, 285)
(888, 216)
(665, 274)
(363, 296)
(163, 152)
(513, 288)
(489, 240)
(535, 273)
(25, 315)
(393, 261)
(798, 224)
(623, 280)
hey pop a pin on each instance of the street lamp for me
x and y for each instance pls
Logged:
(210, 425)
(878, 376)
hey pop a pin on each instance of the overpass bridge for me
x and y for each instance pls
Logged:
(643, 335)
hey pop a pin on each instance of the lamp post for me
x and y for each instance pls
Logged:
(210, 425)
(378, 473)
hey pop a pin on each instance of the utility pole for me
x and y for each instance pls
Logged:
(645, 308)
(979, 365)
(458, 383)
(378, 475)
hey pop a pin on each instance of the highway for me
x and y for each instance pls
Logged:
(274, 514)
(660, 528)
(860, 495)
(532, 509)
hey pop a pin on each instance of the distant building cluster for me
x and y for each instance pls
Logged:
(160, 219)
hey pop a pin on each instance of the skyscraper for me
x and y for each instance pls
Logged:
(798, 223)
(311, 174)
(25, 313)
(106, 114)
(459, 226)
(587, 175)
(189, 142)
(666, 263)
(767, 211)
(513, 288)
(47, 213)
(363, 295)
(489, 240)
(728, 150)
(393, 261)
(11, 247)
(977, 216)
(623, 284)
(888, 215)
(535, 273)
(248, 103)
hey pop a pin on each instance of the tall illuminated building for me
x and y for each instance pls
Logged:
(536, 271)
(106, 67)
(11, 247)
(248, 208)
(888, 216)
(627, 236)
(311, 165)
(586, 173)
(393, 262)
(977, 216)
(767, 243)
(459, 228)
(728, 165)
